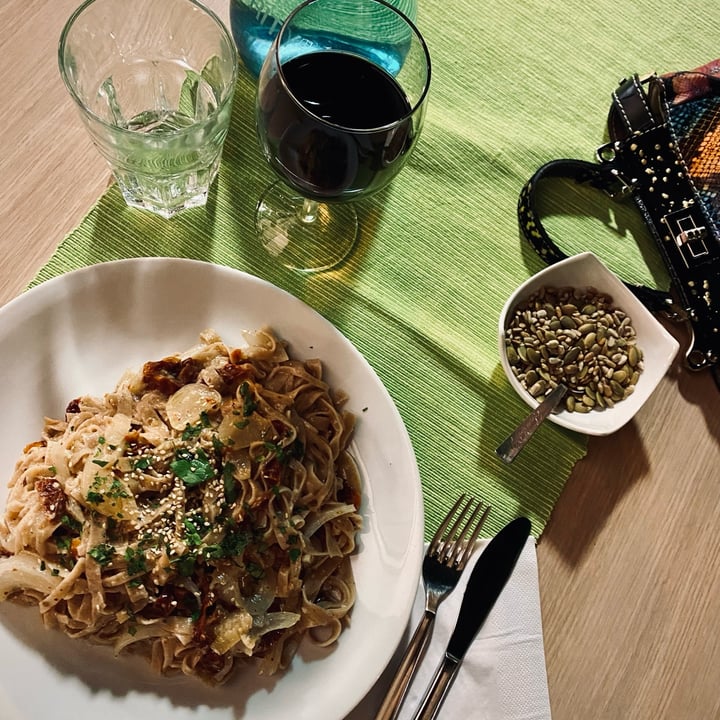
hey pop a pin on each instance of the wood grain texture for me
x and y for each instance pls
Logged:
(49, 170)
(630, 561)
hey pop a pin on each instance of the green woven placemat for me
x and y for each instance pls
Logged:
(514, 85)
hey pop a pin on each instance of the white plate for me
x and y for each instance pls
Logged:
(75, 335)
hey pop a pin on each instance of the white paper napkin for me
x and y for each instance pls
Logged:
(503, 675)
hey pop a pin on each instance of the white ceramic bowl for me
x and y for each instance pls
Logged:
(658, 346)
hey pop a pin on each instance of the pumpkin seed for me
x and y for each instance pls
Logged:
(633, 356)
(572, 354)
(574, 335)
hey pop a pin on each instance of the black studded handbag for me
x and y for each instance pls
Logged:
(664, 152)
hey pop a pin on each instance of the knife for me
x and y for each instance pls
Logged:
(488, 578)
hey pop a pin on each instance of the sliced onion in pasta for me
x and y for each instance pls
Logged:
(200, 515)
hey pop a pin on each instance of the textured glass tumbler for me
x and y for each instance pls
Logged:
(154, 81)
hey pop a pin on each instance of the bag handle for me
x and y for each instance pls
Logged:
(600, 176)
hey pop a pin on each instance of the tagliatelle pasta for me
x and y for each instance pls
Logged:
(201, 514)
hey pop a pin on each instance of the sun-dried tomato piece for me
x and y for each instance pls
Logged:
(232, 373)
(172, 601)
(189, 371)
(52, 496)
(170, 374)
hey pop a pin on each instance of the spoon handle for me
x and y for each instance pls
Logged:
(509, 448)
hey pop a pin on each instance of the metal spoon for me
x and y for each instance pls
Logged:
(509, 448)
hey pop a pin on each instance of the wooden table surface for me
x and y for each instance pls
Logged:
(630, 561)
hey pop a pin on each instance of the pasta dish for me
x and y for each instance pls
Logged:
(201, 514)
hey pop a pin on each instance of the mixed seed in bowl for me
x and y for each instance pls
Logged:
(577, 337)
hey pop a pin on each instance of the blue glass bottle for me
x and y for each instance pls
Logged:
(255, 23)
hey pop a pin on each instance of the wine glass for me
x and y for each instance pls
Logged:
(340, 105)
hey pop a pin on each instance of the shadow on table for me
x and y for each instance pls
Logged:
(621, 460)
(697, 388)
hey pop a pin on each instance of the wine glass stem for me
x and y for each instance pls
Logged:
(308, 211)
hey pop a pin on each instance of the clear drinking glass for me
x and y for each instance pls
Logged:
(340, 105)
(154, 81)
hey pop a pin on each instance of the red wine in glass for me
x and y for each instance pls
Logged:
(331, 128)
(340, 105)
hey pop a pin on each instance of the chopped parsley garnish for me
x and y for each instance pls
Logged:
(192, 468)
(294, 554)
(71, 523)
(135, 559)
(148, 540)
(229, 487)
(192, 533)
(117, 490)
(111, 528)
(142, 463)
(294, 451)
(102, 554)
(234, 542)
(185, 564)
(101, 463)
(254, 570)
(249, 404)
(192, 431)
(230, 546)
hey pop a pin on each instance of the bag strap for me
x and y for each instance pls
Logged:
(599, 176)
(643, 160)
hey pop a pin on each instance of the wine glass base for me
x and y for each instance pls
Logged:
(302, 234)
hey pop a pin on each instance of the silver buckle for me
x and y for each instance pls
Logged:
(689, 236)
(622, 187)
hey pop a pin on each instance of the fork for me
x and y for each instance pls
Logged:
(445, 559)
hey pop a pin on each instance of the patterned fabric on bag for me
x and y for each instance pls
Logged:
(693, 111)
